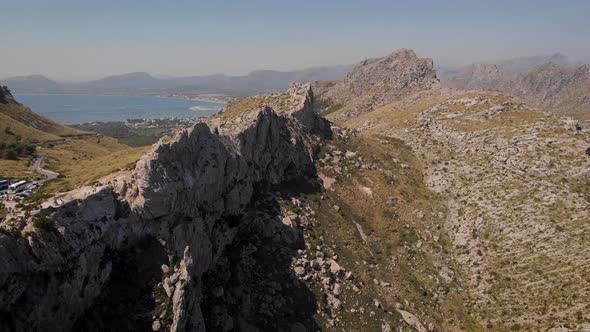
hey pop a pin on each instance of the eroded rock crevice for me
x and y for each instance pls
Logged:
(129, 298)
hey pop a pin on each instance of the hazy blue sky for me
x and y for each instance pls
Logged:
(81, 39)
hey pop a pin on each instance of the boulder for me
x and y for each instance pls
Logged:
(366, 191)
(335, 268)
(299, 270)
(350, 154)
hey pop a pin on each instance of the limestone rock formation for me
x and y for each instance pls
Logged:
(171, 244)
(377, 82)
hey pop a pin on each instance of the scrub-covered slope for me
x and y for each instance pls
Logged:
(514, 182)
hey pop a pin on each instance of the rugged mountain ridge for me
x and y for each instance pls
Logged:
(183, 205)
(518, 65)
(521, 65)
(377, 82)
(553, 86)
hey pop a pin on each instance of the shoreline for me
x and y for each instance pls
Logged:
(78, 109)
(201, 99)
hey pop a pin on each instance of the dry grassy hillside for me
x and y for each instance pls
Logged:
(80, 157)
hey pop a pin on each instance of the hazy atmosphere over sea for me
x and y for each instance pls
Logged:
(73, 40)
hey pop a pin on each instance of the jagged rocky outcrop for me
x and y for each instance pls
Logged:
(381, 81)
(189, 240)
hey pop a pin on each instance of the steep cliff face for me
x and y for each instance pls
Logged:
(139, 252)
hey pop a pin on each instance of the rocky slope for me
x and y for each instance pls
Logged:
(178, 243)
(24, 124)
(551, 86)
(513, 185)
(515, 182)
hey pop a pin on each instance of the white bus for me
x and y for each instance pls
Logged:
(18, 187)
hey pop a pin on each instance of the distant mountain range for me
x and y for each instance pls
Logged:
(552, 82)
(145, 84)
(518, 65)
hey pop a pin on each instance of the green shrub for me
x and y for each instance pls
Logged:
(12, 151)
(43, 224)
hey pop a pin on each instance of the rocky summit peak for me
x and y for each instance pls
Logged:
(398, 70)
(384, 80)
(402, 53)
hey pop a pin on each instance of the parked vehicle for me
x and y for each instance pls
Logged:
(18, 187)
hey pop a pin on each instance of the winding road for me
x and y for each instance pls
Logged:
(36, 167)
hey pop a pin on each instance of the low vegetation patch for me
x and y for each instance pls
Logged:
(325, 106)
(381, 190)
(136, 133)
(84, 161)
(42, 223)
(13, 151)
(278, 102)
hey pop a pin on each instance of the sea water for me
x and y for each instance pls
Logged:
(75, 109)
